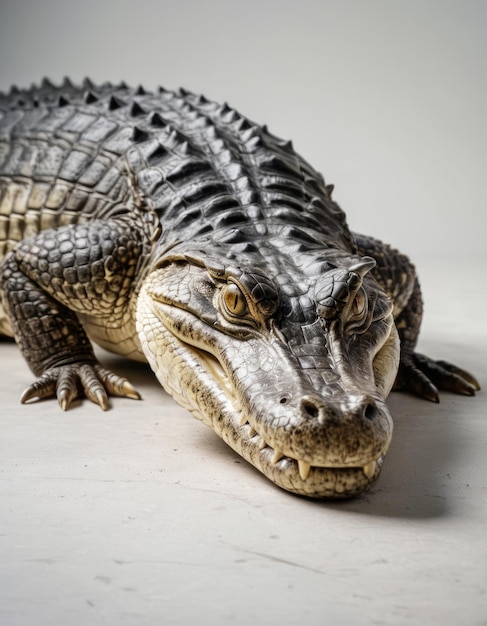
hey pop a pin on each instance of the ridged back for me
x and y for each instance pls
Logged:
(76, 153)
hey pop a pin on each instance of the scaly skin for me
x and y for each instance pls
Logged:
(168, 228)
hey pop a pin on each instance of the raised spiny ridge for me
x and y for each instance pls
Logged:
(90, 97)
(157, 120)
(62, 101)
(136, 109)
(200, 100)
(177, 131)
(157, 155)
(139, 134)
(88, 84)
(47, 85)
(115, 103)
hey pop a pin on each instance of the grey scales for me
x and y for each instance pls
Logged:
(171, 229)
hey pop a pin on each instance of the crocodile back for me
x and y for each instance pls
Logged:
(70, 154)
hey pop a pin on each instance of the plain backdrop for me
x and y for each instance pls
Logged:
(386, 98)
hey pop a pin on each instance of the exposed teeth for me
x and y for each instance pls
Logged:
(369, 469)
(277, 457)
(304, 468)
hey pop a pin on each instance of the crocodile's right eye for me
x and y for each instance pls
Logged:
(234, 300)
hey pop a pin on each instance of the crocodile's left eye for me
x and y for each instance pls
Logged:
(359, 303)
(359, 317)
(234, 300)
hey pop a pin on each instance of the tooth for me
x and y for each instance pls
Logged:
(277, 457)
(243, 419)
(251, 431)
(304, 469)
(262, 443)
(369, 469)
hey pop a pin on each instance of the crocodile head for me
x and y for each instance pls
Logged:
(292, 372)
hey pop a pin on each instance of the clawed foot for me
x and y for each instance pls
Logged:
(68, 382)
(424, 376)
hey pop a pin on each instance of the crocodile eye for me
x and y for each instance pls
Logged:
(359, 302)
(234, 300)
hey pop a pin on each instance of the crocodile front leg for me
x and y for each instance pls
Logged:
(47, 280)
(417, 373)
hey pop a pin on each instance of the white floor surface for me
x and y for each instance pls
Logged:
(142, 516)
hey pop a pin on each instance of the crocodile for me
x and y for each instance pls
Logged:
(171, 229)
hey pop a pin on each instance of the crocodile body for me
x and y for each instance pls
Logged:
(168, 228)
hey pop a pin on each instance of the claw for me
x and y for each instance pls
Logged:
(27, 395)
(93, 385)
(430, 392)
(40, 389)
(65, 397)
(66, 386)
(424, 376)
(70, 381)
(128, 391)
(461, 373)
(116, 385)
(446, 376)
(411, 378)
(44, 387)
(101, 399)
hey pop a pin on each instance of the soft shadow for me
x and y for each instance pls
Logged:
(414, 479)
(413, 483)
(423, 453)
(5, 339)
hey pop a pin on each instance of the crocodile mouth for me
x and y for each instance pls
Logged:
(293, 474)
(347, 480)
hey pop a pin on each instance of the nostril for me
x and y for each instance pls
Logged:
(309, 408)
(370, 411)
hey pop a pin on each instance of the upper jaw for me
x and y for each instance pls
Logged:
(300, 413)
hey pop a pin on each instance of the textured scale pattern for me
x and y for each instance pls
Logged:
(72, 153)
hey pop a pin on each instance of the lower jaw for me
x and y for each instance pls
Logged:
(322, 482)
